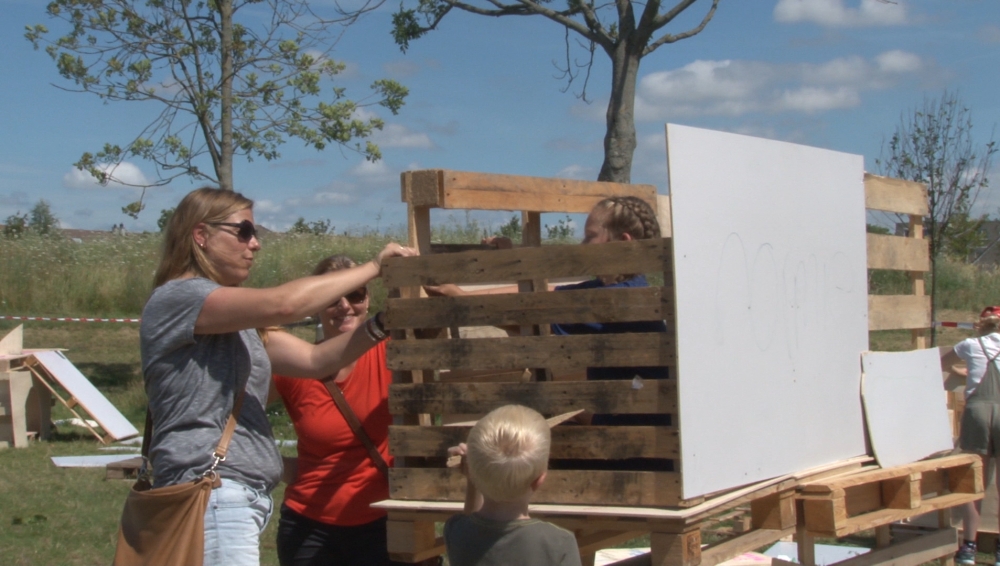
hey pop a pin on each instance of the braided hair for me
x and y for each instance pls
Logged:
(628, 215)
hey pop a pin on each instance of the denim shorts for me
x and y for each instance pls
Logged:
(236, 516)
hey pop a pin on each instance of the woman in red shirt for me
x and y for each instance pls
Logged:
(326, 517)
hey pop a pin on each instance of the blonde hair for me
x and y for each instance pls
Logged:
(180, 252)
(628, 215)
(508, 449)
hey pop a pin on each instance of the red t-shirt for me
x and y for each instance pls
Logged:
(337, 480)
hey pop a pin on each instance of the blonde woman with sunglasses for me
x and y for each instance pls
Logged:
(326, 517)
(203, 343)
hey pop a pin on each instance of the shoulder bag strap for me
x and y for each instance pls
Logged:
(355, 423)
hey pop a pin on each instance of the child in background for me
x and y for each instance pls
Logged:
(505, 460)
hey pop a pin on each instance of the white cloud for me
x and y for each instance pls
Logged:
(737, 87)
(124, 175)
(812, 99)
(265, 206)
(576, 171)
(375, 174)
(834, 13)
(398, 135)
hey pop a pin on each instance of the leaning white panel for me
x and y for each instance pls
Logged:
(96, 404)
(905, 405)
(772, 305)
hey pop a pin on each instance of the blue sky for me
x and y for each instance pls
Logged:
(835, 74)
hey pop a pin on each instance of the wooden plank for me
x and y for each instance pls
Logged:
(518, 264)
(517, 352)
(512, 309)
(775, 511)
(583, 442)
(866, 521)
(871, 475)
(488, 191)
(421, 188)
(482, 376)
(898, 253)
(895, 312)
(551, 397)
(895, 195)
(735, 546)
(572, 487)
(676, 549)
(591, 542)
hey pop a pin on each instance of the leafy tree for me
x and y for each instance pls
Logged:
(315, 228)
(232, 78)
(563, 230)
(622, 34)
(164, 218)
(41, 220)
(16, 225)
(512, 229)
(934, 145)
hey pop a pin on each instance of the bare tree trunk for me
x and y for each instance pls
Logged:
(619, 140)
(225, 167)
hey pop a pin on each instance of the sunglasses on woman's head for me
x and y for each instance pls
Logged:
(244, 230)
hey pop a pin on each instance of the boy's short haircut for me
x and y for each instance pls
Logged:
(507, 450)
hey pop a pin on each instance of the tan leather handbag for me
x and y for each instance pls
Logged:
(165, 526)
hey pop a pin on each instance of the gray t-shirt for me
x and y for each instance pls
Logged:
(192, 382)
(472, 540)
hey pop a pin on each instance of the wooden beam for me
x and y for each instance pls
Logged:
(895, 312)
(572, 487)
(895, 195)
(519, 264)
(898, 253)
(551, 397)
(518, 352)
(512, 309)
(578, 442)
(443, 188)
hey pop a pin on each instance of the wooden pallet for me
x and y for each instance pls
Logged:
(875, 498)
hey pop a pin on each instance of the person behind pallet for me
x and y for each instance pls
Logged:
(202, 349)
(326, 517)
(614, 219)
(505, 460)
(980, 429)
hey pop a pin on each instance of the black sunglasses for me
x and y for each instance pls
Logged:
(244, 230)
(359, 296)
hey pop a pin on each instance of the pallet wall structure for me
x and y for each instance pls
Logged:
(439, 373)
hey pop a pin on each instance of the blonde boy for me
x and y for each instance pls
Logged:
(505, 459)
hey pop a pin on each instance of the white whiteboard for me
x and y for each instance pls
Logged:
(772, 305)
(905, 405)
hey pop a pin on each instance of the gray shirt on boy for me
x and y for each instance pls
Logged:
(474, 541)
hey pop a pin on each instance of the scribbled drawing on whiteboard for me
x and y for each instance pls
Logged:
(771, 305)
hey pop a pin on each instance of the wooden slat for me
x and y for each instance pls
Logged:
(576, 487)
(517, 352)
(483, 376)
(519, 264)
(895, 195)
(894, 312)
(489, 191)
(548, 397)
(898, 253)
(567, 307)
(583, 442)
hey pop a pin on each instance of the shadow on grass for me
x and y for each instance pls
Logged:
(110, 375)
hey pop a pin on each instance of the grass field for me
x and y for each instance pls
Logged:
(52, 516)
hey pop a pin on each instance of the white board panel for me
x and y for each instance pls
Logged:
(98, 461)
(772, 305)
(905, 405)
(92, 401)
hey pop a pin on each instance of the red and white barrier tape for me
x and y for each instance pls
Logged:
(966, 325)
(68, 319)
